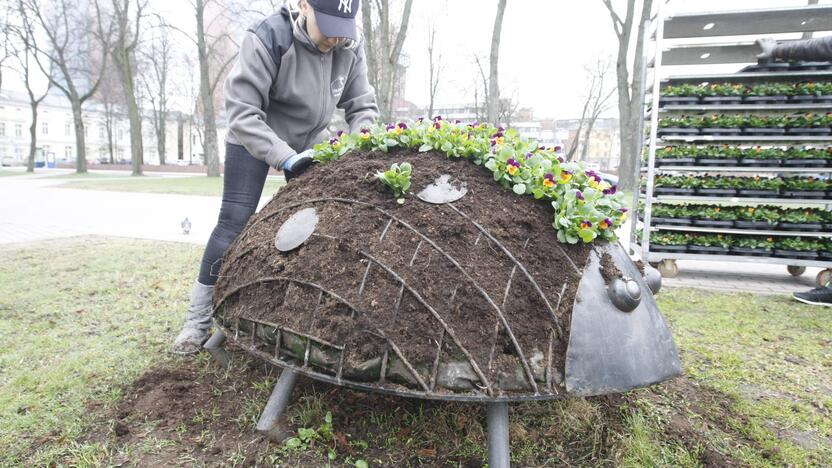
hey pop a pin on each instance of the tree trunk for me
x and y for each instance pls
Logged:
(209, 148)
(121, 57)
(587, 137)
(160, 138)
(33, 138)
(80, 138)
(493, 84)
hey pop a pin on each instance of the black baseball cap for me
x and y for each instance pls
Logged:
(336, 18)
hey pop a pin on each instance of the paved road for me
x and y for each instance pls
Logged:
(33, 208)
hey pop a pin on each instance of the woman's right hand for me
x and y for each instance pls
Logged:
(295, 165)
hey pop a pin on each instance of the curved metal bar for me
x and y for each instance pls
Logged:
(339, 298)
(390, 391)
(520, 265)
(438, 317)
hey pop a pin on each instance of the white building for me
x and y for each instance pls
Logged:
(56, 134)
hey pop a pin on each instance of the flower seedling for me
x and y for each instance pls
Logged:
(397, 178)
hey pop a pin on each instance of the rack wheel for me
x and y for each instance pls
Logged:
(823, 277)
(668, 268)
(796, 270)
(654, 264)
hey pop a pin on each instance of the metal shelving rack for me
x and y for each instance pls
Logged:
(709, 25)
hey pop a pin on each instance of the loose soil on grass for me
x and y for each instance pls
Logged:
(206, 418)
(355, 226)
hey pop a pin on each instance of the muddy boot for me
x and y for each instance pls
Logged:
(197, 321)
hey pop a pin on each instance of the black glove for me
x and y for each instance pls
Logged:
(296, 165)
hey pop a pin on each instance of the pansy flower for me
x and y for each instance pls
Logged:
(529, 155)
(605, 224)
(339, 133)
(549, 180)
(610, 190)
(474, 124)
(561, 160)
(437, 124)
(401, 127)
(557, 149)
(390, 127)
(579, 196)
(333, 141)
(586, 224)
(565, 177)
(437, 118)
(512, 166)
(364, 133)
(497, 139)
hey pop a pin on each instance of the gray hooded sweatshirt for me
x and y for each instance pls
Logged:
(282, 91)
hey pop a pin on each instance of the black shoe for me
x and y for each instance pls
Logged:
(818, 296)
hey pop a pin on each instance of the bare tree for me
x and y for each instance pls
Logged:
(494, 59)
(127, 18)
(629, 90)
(434, 67)
(598, 98)
(158, 55)
(383, 43)
(76, 47)
(484, 79)
(21, 47)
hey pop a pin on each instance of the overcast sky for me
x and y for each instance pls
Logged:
(545, 46)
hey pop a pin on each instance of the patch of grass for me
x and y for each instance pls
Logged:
(80, 320)
(9, 173)
(771, 356)
(91, 175)
(193, 185)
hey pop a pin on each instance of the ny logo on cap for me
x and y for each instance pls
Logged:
(345, 6)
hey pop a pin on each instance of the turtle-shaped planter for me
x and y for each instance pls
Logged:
(462, 293)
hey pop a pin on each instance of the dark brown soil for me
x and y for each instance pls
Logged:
(458, 280)
(608, 269)
(199, 411)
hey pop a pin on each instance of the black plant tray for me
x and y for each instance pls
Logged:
(809, 131)
(669, 248)
(808, 66)
(804, 162)
(750, 252)
(766, 67)
(678, 131)
(707, 249)
(825, 255)
(764, 131)
(717, 161)
(673, 191)
(751, 162)
(672, 221)
(678, 100)
(774, 193)
(720, 131)
(827, 227)
(766, 99)
(675, 161)
(810, 98)
(800, 226)
(814, 194)
(801, 254)
(721, 100)
(716, 223)
(716, 192)
(763, 225)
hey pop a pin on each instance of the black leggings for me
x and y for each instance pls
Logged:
(241, 190)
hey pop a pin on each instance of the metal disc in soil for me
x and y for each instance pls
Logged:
(296, 230)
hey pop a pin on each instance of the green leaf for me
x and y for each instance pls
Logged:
(519, 189)
(293, 443)
(361, 464)
(328, 417)
(404, 139)
(331, 454)
(446, 146)
(425, 147)
(390, 142)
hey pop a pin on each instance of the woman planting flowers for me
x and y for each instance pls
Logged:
(274, 118)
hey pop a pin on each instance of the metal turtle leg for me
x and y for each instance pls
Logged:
(214, 345)
(272, 423)
(498, 448)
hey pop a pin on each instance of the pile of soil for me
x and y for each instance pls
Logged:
(430, 280)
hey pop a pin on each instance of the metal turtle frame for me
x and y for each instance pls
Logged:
(607, 352)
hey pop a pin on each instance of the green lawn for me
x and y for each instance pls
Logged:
(81, 320)
(7, 173)
(192, 185)
(91, 175)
